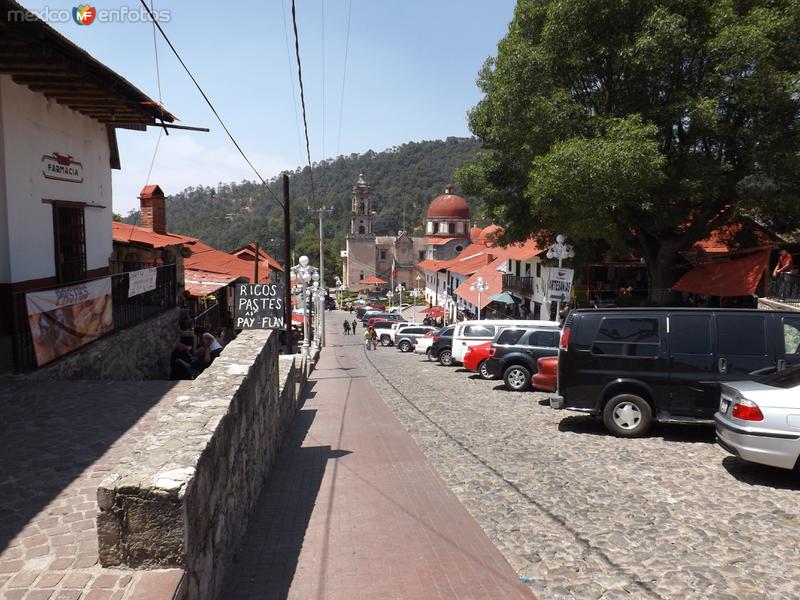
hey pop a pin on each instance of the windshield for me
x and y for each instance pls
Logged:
(788, 378)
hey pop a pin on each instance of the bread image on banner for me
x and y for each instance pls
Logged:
(65, 319)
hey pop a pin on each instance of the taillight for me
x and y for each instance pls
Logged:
(564, 338)
(435, 339)
(491, 351)
(747, 410)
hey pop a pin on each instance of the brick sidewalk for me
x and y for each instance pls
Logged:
(352, 509)
(57, 440)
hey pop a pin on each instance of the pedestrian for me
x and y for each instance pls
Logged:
(373, 336)
(367, 340)
(214, 347)
(354, 326)
(785, 263)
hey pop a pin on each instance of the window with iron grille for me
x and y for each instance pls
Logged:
(70, 242)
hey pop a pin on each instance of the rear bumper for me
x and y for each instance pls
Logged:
(765, 447)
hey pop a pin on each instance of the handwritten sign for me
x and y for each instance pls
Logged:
(141, 281)
(559, 284)
(259, 306)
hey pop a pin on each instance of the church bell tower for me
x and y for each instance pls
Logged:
(361, 212)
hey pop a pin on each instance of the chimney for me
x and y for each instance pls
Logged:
(153, 210)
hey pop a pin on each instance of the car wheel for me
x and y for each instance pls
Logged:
(405, 346)
(386, 340)
(446, 358)
(517, 378)
(428, 353)
(627, 415)
(484, 372)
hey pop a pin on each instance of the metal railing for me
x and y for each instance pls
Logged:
(126, 311)
(785, 288)
(516, 283)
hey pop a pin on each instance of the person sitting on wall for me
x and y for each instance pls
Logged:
(785, 263)
(180, 362)
(214, 347)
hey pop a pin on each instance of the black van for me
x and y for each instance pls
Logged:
(633, 366)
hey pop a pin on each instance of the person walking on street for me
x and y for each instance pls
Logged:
(354, 326)
(346, 326)
(373, 336)
(367, 340)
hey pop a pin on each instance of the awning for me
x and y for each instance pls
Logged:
(372, 281)
(738, 277)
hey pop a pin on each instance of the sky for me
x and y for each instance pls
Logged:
(410, 75)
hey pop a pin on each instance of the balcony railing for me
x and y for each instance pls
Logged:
(785, 288)
(126, 311)
(515, 283)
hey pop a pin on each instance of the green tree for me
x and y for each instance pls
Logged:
(645, 124)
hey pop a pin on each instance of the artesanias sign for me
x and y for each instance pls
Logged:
(258, 306)
(559, 284)
(62, 168)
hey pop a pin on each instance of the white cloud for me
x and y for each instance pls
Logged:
(184, 159)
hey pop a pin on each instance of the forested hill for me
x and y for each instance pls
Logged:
(405, 177)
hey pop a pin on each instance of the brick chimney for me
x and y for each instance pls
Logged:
(153, 210)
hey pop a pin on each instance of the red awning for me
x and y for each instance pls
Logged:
(434, 311)
(372, 281)
(738, 277)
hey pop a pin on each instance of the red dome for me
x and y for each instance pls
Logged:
(475, 233)
(491, 230)
(448, 206)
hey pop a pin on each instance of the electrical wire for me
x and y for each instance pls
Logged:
(344, 76)
(208, 102)
(323, 81)
(302, 98)
(291, 81)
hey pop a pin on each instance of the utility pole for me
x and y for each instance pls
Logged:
(321, 279)
(255, 266)
(287, 265)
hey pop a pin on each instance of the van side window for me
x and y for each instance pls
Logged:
(482, 331)
(632, 337)
(690, 334)
(584, 331)
(544, 339)
(742, 335)
(791, 335)
(509, 337)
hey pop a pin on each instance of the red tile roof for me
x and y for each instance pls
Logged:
(491, 276)
(206, 258)
(202, 283)
(438, 241)
(248, 252)
(738, 277)
(523, 251)
(124, 233)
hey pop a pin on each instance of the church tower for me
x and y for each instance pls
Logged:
(360, 259)
(361, 212)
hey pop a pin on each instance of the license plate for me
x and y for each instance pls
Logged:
(723, 406)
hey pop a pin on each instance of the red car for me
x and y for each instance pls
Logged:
(545, 380)
(475, 359)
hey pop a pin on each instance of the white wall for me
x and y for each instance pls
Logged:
(5, 264)
(32, 127)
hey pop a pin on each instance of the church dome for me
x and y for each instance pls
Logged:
(488, 232)
(448, 206)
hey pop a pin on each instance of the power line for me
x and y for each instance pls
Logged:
(323, 80)
(210, 105)
(302, 98)
(291, 81)
(344, 76)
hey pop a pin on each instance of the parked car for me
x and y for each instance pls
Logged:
(442, 346)
(372, 320)
(637, 366)
(476, 357)
(515, 351)
(385, 331)
(545, 379)
(422, 345)
(399, 308)
(406, 335)
(381, 315)
(759, 421)
(472, 333)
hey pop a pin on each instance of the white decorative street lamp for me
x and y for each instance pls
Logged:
(479, 286)
(399, 289)
(305, 273)
(417, 291)
(560, 250)
(390, 295)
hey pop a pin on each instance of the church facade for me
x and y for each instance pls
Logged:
(447, 233)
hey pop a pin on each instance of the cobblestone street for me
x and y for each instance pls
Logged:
(584, 514)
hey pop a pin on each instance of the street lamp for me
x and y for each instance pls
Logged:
(479, 286)
(560, 250)
(416, 296)
(390, 295)
(399, 289)
(305, 274)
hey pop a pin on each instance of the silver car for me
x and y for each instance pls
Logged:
(759, 421)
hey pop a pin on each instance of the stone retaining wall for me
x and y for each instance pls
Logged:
(183, 497)
(135, 353)
(768, 304)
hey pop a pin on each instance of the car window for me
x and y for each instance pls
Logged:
(788, 378)
(741, 335)
(446, 332)
(690, 334)
(584, 330)
(479, 331)
(631, 336)
(544, 339)
(412, 330)
(509, 337)
(791, 335)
